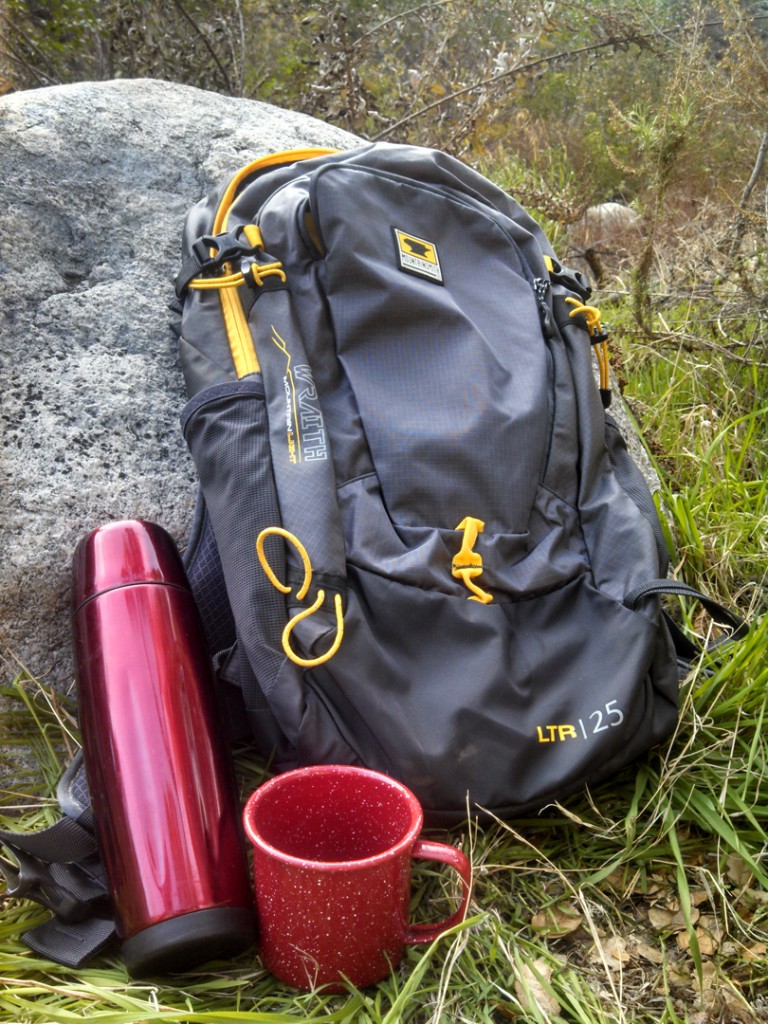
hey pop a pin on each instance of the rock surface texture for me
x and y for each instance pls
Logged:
(96, 180)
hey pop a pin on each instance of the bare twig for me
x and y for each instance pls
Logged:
(241, 61)
(403, 14)
(18, 57)
(740, 224)
(206, 42)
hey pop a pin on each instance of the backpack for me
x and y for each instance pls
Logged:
(420, 544)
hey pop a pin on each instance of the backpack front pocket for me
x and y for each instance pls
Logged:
(438, 330)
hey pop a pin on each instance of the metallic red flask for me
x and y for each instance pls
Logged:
(162, 789)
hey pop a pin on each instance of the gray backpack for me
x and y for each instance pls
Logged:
(422, 545)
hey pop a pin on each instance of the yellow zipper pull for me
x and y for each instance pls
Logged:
(467, 563)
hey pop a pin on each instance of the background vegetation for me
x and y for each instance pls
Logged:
(647, 899)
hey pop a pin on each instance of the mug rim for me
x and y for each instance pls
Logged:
(402, 845)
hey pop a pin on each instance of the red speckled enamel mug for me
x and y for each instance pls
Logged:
(332, 863)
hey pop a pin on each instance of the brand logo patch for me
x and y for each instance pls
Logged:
(418, 256)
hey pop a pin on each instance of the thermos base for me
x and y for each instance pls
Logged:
(187, 941)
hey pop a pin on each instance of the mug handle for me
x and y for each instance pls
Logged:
(425, 849)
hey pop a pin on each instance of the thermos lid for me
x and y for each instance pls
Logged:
(123, 553)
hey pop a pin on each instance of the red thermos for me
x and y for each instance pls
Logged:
(162, 790)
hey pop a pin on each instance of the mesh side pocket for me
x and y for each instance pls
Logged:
(206, 578)
(225, 427)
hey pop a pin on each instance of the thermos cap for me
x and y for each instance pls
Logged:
(123, 553)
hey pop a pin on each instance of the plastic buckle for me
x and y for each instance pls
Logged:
(229, 246)
(571, 279)
(69, 890)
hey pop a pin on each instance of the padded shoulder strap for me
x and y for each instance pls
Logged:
(215, 252)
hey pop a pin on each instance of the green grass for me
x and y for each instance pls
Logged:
(702, 405)
(644, 900)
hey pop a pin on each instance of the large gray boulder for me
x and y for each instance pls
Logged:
(95, 180)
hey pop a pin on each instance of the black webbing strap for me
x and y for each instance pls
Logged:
(654, 588)
(71, 945)
(65, 841)
(60, 868)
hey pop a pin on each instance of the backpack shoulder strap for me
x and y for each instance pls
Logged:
(59, 867)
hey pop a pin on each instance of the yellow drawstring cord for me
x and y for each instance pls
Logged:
(599, 335)
(278, 531)
(256, 271)
(321, 659)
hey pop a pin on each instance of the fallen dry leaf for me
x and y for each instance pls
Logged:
(557, 921)
(679, 976)
(649, 953)
(683, 940)
(737, 869)
(670, 920)
(708, 943)
(709, 935)
(656, 882)
(712, 924)
(531, 988)
(708, 976)
(613, 952)
(735, 1004)
(617, 879)
(660, 918)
